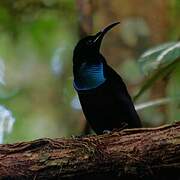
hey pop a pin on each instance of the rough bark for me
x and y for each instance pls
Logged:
(147, 153)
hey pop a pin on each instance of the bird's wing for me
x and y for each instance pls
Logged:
(122, 97)
(116, 82)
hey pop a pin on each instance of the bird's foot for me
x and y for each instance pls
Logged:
(106, 131)
(76, 136)
(123, 126)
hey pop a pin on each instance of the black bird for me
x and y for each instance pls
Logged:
(103, 95)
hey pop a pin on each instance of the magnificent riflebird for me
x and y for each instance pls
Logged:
(103, 95)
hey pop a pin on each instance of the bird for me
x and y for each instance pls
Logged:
(103, 95)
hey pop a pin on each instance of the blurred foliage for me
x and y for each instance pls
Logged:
(158, 62)
(36, 43)
(30, 35)
(161, 62)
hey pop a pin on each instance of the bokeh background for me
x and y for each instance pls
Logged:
(37, 38)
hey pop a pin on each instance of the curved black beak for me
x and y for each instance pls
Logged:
(99, 36)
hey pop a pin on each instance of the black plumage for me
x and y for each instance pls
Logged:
(103, 95)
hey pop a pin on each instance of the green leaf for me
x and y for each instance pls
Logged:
(159, 57)
(160, 73)
(156, 102)
(157, 63)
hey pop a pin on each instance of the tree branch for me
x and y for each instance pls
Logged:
(151, 153)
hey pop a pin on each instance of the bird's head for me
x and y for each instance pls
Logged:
(87, 49)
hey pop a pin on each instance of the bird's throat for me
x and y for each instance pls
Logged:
(89, 76)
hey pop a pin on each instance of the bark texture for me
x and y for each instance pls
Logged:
(147, 153)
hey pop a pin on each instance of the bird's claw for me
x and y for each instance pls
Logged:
(106, 131)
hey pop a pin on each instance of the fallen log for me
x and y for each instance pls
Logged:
(146, 153)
